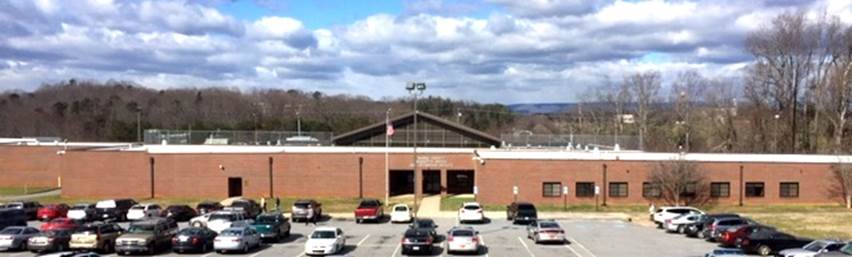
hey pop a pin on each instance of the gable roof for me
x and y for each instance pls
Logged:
(379, 128)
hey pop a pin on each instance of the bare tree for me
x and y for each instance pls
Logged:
(843, 175)
(644, 86)
(833, 80)
(680, 182)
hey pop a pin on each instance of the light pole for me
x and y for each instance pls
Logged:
(139, 124)
(685, 144)
(416, 89)
(775, 133)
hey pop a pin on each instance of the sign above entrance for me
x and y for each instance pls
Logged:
(427, 162)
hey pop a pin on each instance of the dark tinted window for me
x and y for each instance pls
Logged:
(731, 222)
(789, 189)
(650, 190)
(585, 189)
(368, 204)
(618, 189)
(720, 189)
(754, 189)
(551, 189)
(462, 233)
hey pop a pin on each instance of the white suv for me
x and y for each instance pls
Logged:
(678, 223)
(663, 213)
(222, 220)
(143, 211)
(471, 212)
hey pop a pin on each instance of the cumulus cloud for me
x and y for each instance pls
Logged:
(523, 51)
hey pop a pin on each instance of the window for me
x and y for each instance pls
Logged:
(690, 190)
(552, 189)
(650, 190)
(618, 189)
(720, 189)
(585, 189)
(754, 189)
(789, 189)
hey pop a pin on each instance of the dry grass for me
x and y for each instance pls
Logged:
(13, 191)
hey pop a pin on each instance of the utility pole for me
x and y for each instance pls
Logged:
(416, 88)
(139, 124)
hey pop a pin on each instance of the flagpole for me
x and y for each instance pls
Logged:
(387, 163)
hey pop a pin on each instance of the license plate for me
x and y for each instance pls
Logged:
(416, 248)
(183, 238)
(105, 215)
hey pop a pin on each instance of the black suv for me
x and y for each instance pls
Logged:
(249, 207)
(521, 212)
(114, 209)
(417, 240)
(427, 225)
(29, 207)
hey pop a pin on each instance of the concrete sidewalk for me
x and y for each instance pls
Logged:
(53, 192)
(430, 206)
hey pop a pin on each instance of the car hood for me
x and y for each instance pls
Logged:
(262, 227)
(136, 236)
(798, 252)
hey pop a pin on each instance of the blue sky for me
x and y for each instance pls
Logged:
(506, 51)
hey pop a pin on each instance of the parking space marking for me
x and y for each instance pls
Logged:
(362, 240)
(208, 255)
(482, 240)
(526, 247)
(396, 250)
(18, 254)
(574, 241)
(572, 250)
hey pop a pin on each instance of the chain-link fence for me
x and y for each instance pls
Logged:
(565, 140)
(236, 137)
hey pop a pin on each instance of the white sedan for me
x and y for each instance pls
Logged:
(678, 224)
(240, 239)
(325, 241)
(401, 213)
(471, 212)
(463, 239)
(143, 211)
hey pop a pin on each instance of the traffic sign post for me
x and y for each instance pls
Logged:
(597, 192)
(565, 198)
(515, 192)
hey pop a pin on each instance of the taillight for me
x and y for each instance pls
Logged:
(195, 240)
(236, 240)
(174, 240)
(745, 242)
(429, 241)
(449, 239)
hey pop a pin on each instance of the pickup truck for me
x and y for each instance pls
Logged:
(369, 209)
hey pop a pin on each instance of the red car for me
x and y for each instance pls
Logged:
(60, 223)
(732, 236)
(52, 211)
(369, 209)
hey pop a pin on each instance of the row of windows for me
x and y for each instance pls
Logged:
(649, 190)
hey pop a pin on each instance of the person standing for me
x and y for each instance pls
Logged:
(309, 216)
(263, 204)
(277, 204)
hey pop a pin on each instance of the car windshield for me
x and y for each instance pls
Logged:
(368, 204)
(462, 233)
(322, 234)
(302, 205)
(423, 224)
(137, 207)
(141, 229)
(266, 219)
(15, 205)
(548, 225)
(88, 230)
(80, 207)
(232, 232)
(222, 216)
(526, 207)
(814, 246)
(11, 231)
(471, 207)
(727, 251)
(400, 208)
(206, 205)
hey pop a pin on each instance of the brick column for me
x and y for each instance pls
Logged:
(443, 183)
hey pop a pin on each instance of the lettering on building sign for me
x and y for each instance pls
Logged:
(433, 162)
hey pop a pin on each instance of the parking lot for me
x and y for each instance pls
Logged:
(588, 238)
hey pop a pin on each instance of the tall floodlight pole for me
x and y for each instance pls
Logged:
(415, 89)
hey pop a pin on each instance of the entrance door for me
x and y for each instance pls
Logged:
(431, 182)
(235, 186)
(401, 182)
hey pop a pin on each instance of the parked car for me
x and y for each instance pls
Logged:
(369, 209)
(471, 212)
(148, 236)
(697, 228)
(179, 213)
(325, 241)
(306, 210)
(844, 251)
(16, 237)
(427, 225)
(30, 208)
(725, 252)
(144, 211)
(222, 220)
(766, 242)
(52, 211)
(401, 213)
(193, 239)
(200, 221)
(50, 241)
(82, 211)
(813, 248)
(114, 209)
(663, 213)
(521, 212)
(60, 224)
(732, 236)
(241, 239)
(96, 236)
(417, 240)
(719, 225)
(678, 224)
(207, 207)
(272, 225)
(541, 231)
(463, 239)
(72, 254)
(12, 217)
(249, 206)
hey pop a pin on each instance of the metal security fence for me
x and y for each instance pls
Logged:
(236, 137)
(573, 140)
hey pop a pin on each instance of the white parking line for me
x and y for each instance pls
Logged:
(301, 254)
(574, 241)
(526, 247)
(362, 240)
(482, 240)
(208, 255)
(396, 250)
(18, 254)
(572, 250)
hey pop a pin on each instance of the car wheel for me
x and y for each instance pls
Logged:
(245, 248)
(204, 248)
(151, 250)
(764, 250)
(357, 221)
(680, 229)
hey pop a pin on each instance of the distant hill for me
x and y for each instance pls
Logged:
(540, 108)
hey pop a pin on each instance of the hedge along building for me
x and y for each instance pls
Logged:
(498, 176)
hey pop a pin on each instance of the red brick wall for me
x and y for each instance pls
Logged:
(32, 165)
(105, 174)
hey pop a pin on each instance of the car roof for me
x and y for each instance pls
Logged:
(151, 221)
(303, 201)
(417, 232)
(272, 214)
(236, 229)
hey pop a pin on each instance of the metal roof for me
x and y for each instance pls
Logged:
(378, 128)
